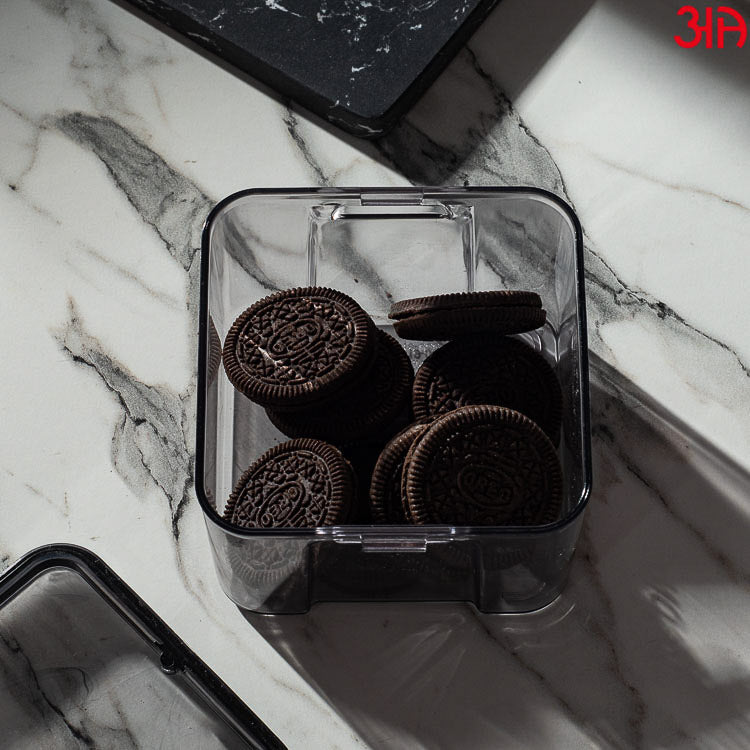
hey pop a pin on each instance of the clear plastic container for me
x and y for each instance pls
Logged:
(380, 246)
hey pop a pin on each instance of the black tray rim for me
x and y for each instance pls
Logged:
(175, 655)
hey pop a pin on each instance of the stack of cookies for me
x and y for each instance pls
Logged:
(331, 381)
(468, 441)
(488, 410)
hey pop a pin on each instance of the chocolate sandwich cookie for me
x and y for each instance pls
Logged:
(484, 465)
(362, 456)
(446, 316)
(386, 505)
(263, 562)
(300, 484)
(214, 352)
(405, 468)
(365, 409)
(489, 369)
(297, 346)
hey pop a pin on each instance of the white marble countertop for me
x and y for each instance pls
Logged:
(117, 140)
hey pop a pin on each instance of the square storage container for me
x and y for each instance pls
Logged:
(380, 246)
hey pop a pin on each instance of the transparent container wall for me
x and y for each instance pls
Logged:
(380, 247)
(75, 673)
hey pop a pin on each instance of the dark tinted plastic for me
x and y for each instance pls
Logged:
(380, 246)
(85, 662)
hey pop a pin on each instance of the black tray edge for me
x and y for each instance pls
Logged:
(175, 655)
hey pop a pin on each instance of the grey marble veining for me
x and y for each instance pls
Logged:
(481, 141)
(150, 443)
(153, 442)
(165, 199)
(118, 141)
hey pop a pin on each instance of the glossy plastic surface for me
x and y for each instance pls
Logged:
(380, 246)
(84, 662)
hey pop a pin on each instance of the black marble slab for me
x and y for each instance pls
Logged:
(358, 63)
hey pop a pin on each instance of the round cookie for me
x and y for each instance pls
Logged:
(386, 504)
(214, 352)
(447, 316)
(405, 469)
(296, 346)
(489, 369)
(362, 457)
(484, 465)
(299, 484)
(364, 409)
(263, 562)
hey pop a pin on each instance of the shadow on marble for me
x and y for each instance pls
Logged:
(464, 129)
(643, 649)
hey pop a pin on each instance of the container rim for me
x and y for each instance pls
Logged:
(144, 622)
(383, 531)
